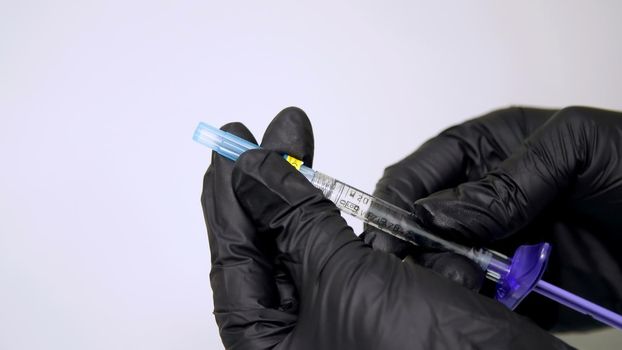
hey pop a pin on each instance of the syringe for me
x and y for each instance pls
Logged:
(515, 277)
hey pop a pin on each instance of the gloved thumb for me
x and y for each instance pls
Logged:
(290, 132)
(307, 227)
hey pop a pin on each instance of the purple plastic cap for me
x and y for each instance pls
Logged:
(528, 265)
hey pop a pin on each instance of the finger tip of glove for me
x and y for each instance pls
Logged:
(424, 213)
(438, 213)
(454, 219)
(291, 132)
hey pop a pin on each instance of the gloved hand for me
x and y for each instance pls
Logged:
(523, 175)
(289, 273)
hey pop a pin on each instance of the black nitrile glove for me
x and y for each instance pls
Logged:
(523, 175)
(289, 273)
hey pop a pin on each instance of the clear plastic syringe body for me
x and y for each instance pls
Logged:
(399, 222)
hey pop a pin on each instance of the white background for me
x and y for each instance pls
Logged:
(102, 239)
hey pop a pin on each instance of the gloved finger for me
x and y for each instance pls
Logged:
(281, 201)
(460, 153)
(290, 132)
(455, 267)
(246, 300)
(452, 266)
(566, 156)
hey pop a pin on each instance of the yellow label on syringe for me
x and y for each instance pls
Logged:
(296, 163)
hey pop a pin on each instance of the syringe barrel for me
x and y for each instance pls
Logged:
(392, 219)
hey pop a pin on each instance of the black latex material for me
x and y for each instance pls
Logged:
(524, 175)
(288, 273)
